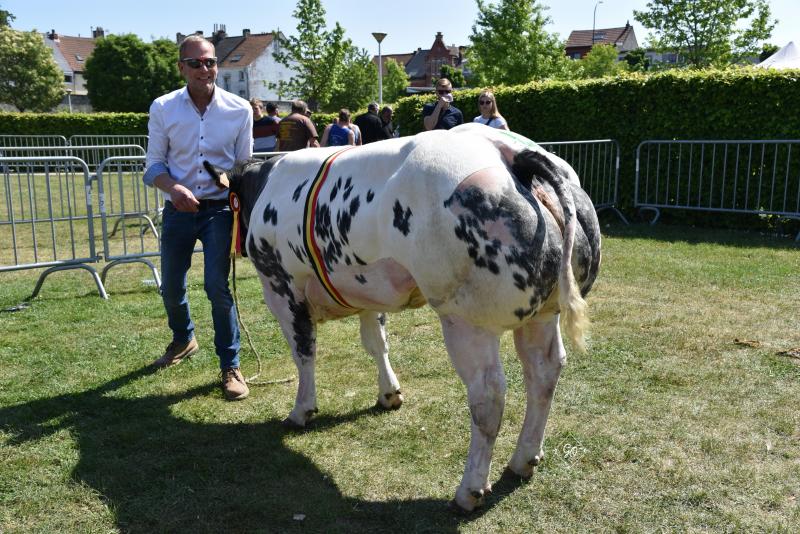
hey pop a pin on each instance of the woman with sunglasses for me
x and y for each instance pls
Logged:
(489, 116)
(442, 115)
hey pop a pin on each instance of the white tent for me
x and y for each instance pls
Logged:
(787, 57)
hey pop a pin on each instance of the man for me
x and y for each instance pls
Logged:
(387, 128)
(265, 127)
(370, 125)
(296, 131)
(199, 122)
(442, 115)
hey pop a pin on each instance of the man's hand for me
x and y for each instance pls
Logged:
(183, 199)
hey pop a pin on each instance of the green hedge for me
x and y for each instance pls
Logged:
(743, 103)
(68, 124)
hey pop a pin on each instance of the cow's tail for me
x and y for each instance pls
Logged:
(526, 164)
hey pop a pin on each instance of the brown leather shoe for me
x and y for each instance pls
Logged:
(233, 384)
(176, 353)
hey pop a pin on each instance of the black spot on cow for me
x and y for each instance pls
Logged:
(299, 252)
(299, 190)
(335, 189)
(270, 215)
(370, 195)
(402, 218)
(347, 260)
(382, 319)
(348, 188)
(322, 222)
(299, 230)
(304, 331)
(359, 260)
(354, 205)
(360, 279)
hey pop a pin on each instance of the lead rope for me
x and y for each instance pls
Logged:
(235, 248)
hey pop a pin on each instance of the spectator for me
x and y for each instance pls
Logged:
(442, 115)
(339, 133)
(296, 131)
(198, 122)
(265, 127)
(370, 124)
(386, 121)
(489, 116)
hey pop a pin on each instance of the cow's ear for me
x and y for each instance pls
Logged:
(220, 177)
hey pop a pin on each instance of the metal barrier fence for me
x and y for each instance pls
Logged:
(738, 176)
(32, 140)
(93, 149)
(46, 216)
(597, 164)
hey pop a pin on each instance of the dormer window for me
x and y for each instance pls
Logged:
(79, 57)
(236, 58)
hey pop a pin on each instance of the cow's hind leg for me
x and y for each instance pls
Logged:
(475, 354)
(373, 337)
(541, 351)
(300, 333)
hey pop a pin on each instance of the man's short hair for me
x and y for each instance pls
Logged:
(444, 82)
(271, 107)
(256, 102)
(384, 109)
(344, 114)
(192, 39)
(373, 106)
(298, 106)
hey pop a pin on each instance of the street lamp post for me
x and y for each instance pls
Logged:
(69, 99)
(379, 37)
(594, 17)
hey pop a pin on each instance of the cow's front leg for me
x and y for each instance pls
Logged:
(475, 354)
(541, 351)
(373, 337)
(299, 330)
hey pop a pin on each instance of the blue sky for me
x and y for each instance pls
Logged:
(408, 23)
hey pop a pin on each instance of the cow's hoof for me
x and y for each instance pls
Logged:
(466, 501)
(291, 424)
(390, 401)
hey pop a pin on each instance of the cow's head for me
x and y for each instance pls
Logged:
(247, 180)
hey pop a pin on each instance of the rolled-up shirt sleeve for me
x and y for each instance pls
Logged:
(157, 146)
(244, 140)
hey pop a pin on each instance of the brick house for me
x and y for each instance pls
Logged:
(70, 54)
(423, 65)
(580, 42)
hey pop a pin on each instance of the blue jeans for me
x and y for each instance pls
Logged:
(179, 234)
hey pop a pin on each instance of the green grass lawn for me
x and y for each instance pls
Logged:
(668, 423)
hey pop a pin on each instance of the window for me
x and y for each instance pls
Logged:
(227, 80)
(68, 78)
(241, 75)
(241, 93)
(79, 57)
(235, 58)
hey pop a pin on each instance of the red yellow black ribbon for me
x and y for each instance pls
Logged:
(309, 222)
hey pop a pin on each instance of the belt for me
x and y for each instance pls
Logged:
(206, 203)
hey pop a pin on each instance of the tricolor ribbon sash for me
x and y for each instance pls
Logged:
(309, 222)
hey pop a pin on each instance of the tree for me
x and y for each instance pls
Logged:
(357, 82)
(29, 76)
(5, 18)
(708, 32)
(601, 61)
(456, 76)
(766, 51)
(315, 54)
(395, 82)
(511, 46)
(126, 74)
(637, 60)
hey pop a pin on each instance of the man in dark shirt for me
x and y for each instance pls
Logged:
(370, 125)
(265, 127)
(386, 121)
(297, 131)
(442, 115)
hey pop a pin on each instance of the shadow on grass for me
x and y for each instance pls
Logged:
(672, 233)
(158, 472)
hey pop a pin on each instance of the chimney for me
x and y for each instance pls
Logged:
(53, 36)
(98, 32)
(246, 32)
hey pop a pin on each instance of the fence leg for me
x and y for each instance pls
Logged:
(656, 210)
(100, 288)
(147, 262)
(619, 213)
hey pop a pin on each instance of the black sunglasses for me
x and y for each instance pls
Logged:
(485, 102)
(195, 63)
(444, 91)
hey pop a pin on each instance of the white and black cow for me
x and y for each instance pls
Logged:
(490, 230)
